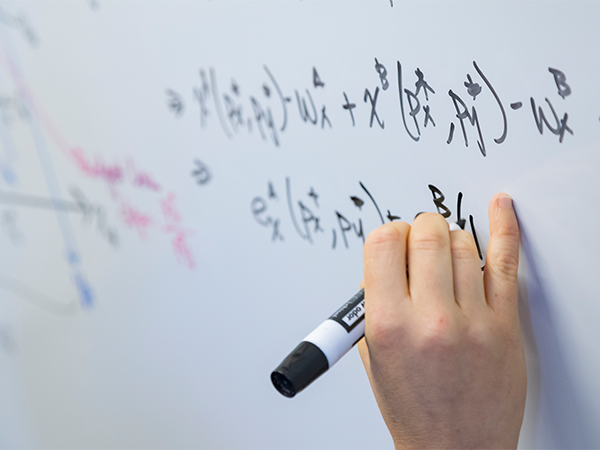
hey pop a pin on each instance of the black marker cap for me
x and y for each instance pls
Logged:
(303, 366)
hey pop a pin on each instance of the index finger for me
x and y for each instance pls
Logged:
(386, 286)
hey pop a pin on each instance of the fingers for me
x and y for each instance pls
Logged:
(386, 286)
(430, 261)
(502, 261)
(443, 266)
(466, 271)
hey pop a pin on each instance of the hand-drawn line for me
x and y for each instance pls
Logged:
(501, 139)
(284, 100)
(32, 201)
(10, 62)
(6, 165)
(38, 299)
(288, 190)
(215, 95)
(7, 339)
(373, 200)
(21, 24)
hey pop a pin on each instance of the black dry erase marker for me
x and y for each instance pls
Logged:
(322, 348)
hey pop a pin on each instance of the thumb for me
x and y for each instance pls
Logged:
(363, 349)
(502, 261)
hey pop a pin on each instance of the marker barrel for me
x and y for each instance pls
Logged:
(322, 348)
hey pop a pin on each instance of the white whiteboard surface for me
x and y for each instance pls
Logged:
(175, 216)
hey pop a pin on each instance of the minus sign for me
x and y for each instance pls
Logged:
(516, 105)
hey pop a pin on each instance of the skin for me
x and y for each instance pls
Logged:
(443, 348)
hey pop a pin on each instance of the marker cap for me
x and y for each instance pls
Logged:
(301, 367)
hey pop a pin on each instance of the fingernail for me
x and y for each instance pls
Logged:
(505, 202)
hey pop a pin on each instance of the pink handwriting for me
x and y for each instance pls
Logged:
(112, 174)
(143, 179)
(136, 219)
(173, 226)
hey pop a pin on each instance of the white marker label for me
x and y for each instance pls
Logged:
(351, 313)
(355, 314)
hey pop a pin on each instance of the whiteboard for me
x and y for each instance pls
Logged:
(185, 188)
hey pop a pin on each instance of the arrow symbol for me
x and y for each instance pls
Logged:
(202, 173)
(174, 102)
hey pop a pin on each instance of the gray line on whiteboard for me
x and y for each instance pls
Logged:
(33, 201)
(215, 94)
(289, 200)
(38, 299)
(283, 99)
(399, 70)
(501, 139)
(373, 200)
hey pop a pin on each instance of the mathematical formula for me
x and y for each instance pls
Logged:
(267, 110)
(284, 211)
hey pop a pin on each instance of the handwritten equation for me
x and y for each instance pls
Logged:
(283, 212)
(266, 110)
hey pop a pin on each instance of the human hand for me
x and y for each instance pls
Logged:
(443, 348)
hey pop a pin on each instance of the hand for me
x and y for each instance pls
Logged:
(443, 348)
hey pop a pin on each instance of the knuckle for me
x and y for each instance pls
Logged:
(428, 239)
(439, 335)
(386, 235)
(508, 230)
(482, 336)
(504, 265)
(429, 232)
(430, 218)
(491, 336)
(385, 334)
(462, 245)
